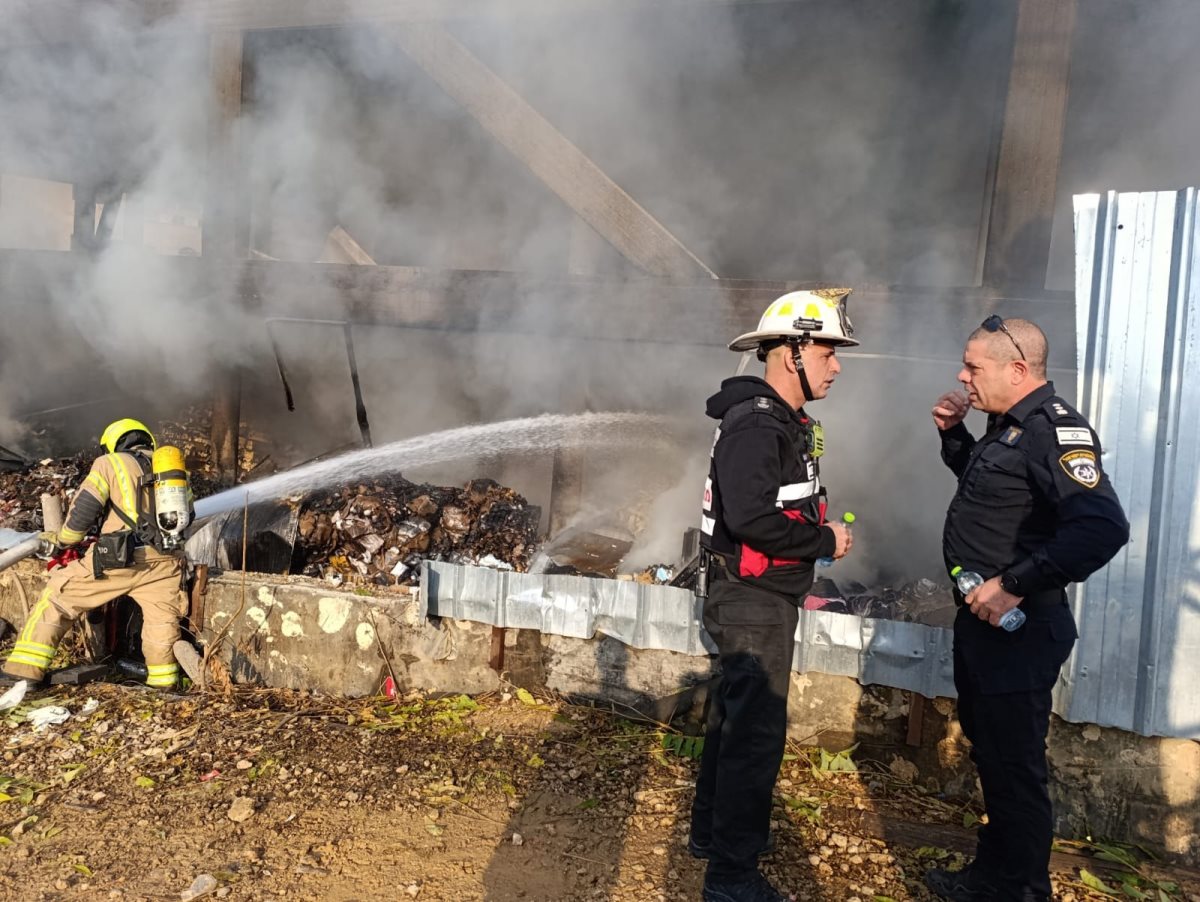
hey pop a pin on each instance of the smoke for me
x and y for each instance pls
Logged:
(834, 141)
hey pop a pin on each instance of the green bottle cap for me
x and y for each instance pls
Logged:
(956, 571)
(848, 517)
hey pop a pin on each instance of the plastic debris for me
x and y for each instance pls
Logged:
(14, 696)
(43, 718)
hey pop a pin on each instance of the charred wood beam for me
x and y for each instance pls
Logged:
(559, 164)
(1017, 251)
(225, 229)
(891, 321)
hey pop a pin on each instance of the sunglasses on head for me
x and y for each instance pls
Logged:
(995, 324)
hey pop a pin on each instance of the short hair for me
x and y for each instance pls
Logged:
(1032, 340)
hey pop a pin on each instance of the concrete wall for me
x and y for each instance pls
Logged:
(295, 633)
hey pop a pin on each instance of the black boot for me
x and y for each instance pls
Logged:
(751, 888)
(8, 680)
(967, 885)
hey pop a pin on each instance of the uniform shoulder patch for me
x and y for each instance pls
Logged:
(1074, 435)
(1081, 466)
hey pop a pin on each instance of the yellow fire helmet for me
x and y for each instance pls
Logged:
(116, 431)
(818, 315)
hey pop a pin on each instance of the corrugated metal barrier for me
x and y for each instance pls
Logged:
(905, 655)
(1137, 664)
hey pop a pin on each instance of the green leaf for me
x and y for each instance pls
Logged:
(1091, 881)
(71, 771)
(588, 804)
(1132, 891)
(5, 841)
(51, 832)
(525, 697)
(5, 797)
(883, 899)
(969, 819)
(82, 869)
(143, 782)
(535, 760)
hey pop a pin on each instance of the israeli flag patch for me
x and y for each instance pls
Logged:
(1068, 436)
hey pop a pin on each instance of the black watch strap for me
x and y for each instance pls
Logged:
(1010, 584)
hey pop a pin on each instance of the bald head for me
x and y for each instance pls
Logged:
(1032, 340)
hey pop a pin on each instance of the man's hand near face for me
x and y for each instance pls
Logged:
(950, 409)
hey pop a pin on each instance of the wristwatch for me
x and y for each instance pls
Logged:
(1010, 584)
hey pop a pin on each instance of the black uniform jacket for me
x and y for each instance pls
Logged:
(1033, 499)
(763, 504)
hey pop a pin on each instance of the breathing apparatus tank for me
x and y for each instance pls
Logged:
(172, 495)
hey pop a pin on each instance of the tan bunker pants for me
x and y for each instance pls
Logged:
(154, 582)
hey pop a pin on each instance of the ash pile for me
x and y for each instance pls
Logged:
(375, 534)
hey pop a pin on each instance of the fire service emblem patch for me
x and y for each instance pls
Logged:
(1082, 467)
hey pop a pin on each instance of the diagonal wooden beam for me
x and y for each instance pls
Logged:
(549, 154)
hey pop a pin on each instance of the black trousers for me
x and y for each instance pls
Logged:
(755, 635)
(1004, 682)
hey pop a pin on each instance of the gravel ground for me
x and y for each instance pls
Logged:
(263, 794)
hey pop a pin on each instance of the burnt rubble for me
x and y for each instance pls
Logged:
(916, 601)
(21, 489)
(377, 534)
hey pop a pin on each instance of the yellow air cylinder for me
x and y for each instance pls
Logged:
(172, 500)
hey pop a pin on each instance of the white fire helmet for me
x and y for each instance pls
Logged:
(818, 315)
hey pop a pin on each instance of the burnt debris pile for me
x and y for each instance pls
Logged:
(21, 489)
(378, 533)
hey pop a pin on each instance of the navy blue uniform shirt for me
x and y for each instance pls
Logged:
(1033, 499)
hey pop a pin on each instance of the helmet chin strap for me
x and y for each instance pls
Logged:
(796, 347)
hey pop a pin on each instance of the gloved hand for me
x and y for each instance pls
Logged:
(64, 556)
(49, 542)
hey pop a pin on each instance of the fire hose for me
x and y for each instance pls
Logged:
(19, 552)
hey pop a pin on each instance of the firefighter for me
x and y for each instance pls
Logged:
(763, 527)
(123, 561)
(1033, 513)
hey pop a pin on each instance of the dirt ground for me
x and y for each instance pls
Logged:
(265, 794)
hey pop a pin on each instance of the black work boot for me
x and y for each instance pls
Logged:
(751, 888)
(8, 680)
(703, 850)
(966, 885)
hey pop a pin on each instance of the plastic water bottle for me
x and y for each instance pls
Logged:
(847, 518)
(968, 581)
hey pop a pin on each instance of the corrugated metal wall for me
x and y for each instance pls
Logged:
(1137, 664)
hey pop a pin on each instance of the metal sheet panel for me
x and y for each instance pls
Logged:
(1137, 664)
(905, 655)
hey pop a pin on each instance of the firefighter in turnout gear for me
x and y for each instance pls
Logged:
(131, 557)
(763, 527)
